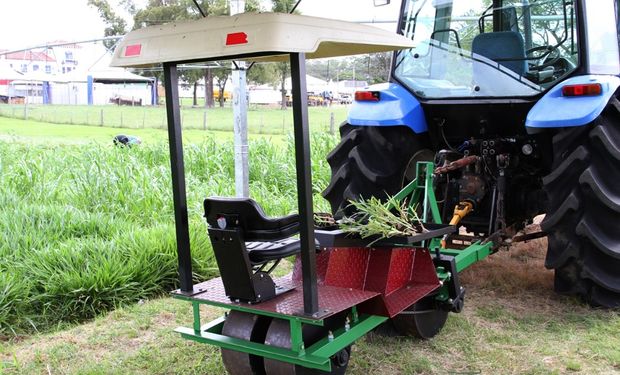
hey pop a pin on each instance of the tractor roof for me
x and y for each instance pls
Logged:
(271, 36)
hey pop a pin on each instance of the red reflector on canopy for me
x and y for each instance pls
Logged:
(236, 38)
(367, 96)
(133, 50)
(587, 89)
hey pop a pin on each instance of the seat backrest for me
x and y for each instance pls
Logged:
(504, 47)
(246, 214)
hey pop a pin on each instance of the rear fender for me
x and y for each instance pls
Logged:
(556, 111)
(396, 106)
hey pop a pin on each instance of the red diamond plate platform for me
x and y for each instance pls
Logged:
(332, 299)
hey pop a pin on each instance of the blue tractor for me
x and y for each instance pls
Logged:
(516, 102)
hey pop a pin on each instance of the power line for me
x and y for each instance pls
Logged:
(115, 37)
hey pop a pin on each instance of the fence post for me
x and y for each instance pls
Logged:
(101, 117)
(204, 120)
(331, 123)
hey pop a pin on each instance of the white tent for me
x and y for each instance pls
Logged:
(315, 85)
(109, 85)
(108, 75)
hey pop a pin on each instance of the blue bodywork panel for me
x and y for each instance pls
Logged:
(557, 111)
(396, 106)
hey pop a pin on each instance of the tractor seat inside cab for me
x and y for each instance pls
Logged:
(265, 239)
(506, 48)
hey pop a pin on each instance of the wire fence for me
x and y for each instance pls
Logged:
(261, 120)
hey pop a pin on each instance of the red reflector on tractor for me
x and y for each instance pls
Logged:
(236, 38)
(588, 89)
(133, 50)
(367, 96)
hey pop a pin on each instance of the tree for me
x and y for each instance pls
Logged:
(282, 68)
(115, 24)
(158, 12)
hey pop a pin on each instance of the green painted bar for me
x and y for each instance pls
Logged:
(343, 338)
(432, 199)
(297, 341)
(317, 356)
(411, 187)
(214, 326)
(472, 254)
(196, 308)
(279, 354)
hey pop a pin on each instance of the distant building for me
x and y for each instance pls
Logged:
(68, 56)
(30, 61)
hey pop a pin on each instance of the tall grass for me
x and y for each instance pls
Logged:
(84, 229)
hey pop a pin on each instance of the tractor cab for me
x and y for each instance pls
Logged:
(503, 48)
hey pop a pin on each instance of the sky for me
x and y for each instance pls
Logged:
(36, 22)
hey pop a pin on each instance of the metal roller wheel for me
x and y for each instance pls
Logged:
(247, 327)
(279, 335)
(424, 319)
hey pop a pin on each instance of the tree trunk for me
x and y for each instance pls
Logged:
(283, 90)
(222, 98)
(195, 98)
(209, 102)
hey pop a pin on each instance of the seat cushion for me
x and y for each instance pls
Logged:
(262, 252)
(505, 47)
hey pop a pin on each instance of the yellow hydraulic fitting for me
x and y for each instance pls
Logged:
(460, 211)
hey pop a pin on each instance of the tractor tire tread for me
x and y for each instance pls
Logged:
(368, 162)
(584, 199)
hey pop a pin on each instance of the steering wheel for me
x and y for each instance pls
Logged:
(550, 54)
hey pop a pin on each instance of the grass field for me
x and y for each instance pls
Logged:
(512, 324)
(88, 227)
(36, 132)
(260, 120)
(86, 233)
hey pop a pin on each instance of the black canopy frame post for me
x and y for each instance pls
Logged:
(171, 84)
(301, 131)
(304, 182)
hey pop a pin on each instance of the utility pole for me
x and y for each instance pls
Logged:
(240, 115)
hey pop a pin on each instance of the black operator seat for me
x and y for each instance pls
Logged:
(268, 238)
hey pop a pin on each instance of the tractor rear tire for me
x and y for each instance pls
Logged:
(583, 210)
(372, 162)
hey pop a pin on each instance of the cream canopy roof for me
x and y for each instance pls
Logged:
(272, 34)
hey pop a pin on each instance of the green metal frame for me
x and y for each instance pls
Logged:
(318, 355)
(422, 186)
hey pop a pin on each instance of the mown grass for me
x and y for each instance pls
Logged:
(260, 120)
(516, 326)
(87, 228)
